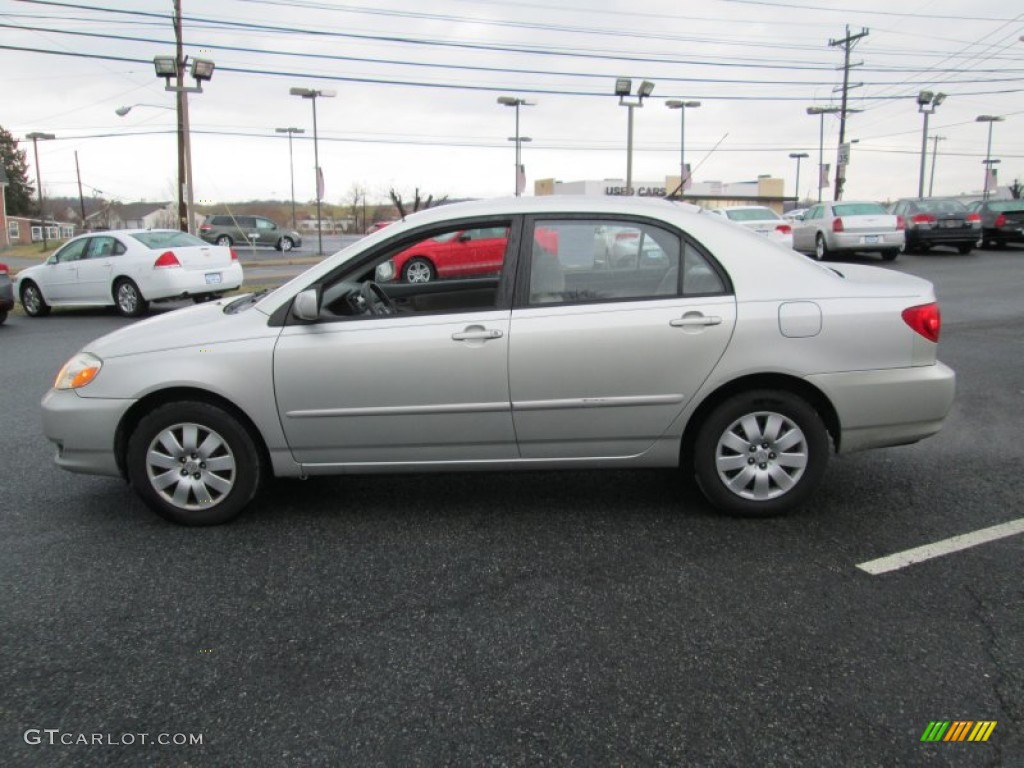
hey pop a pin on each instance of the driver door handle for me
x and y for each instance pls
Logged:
(477, 333)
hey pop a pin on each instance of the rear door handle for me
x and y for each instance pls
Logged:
(477, 333)
(691, 319)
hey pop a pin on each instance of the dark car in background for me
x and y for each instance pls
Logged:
(6, 292)
(1002, 221)
(932, 221)
(231, 230)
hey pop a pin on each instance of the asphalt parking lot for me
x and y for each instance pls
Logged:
(587, 618)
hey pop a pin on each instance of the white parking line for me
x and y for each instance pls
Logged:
(944, 547)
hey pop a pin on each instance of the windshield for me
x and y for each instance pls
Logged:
(858, 209)
(752, 214)
(168, 239)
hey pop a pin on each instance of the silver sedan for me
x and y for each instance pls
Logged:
(730, 357)
(848, 227)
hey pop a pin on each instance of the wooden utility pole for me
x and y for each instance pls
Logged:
(847, 43)
(81, 198)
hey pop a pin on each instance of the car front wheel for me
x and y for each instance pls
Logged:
(33, 302)
(418, 270)
(128, 298)
(193, 463)
(760, 453)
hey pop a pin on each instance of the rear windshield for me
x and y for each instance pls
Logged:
(169, 239)
(941, 206)
(751, 214)
(1006, 205)
(858, 209)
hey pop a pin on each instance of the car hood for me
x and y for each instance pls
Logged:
(202, 325)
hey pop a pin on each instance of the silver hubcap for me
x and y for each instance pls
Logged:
(31, 300)
(286, 245)
(417, 272)
(761, 456)
(819, 249)
(190, 466)
(127, 298)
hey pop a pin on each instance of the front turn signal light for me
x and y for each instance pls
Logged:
(78, 371)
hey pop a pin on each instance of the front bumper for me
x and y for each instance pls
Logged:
(889, 407)
(83, 429)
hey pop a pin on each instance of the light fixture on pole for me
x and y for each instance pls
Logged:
(798, 156)
(313, 94)
(36, 137)
(988, 151)
(682, 106)
(822, 111)
(926, 105)
(122, 111)
(291, 164)
(623, 87)
(168, 67)
(513, 101)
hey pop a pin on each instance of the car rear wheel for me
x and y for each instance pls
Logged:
(193, 463)
(3, 316)
(760, 453)
(820, 248)
(128, 298)
(285, 244)
(965, 248)
(890, 254)
(223, 240)
(418, 270)
(33, 302)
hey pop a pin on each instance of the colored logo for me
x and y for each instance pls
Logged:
(958, 730)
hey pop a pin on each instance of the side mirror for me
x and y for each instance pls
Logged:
(385, 272)
(306, 305)
(464, 237)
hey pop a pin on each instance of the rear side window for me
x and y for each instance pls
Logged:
(941, 206)
(168, 240)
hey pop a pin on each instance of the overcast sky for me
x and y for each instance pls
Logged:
(417, 84)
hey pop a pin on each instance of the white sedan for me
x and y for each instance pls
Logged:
(760, 219)
(128, 269)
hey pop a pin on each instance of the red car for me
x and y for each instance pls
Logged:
(464, 253)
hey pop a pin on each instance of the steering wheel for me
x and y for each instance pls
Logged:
(375, 301)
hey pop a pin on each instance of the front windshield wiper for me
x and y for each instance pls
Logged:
(245, 301)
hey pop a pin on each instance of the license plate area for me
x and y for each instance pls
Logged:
(213, 278)
(870, 239)
(949, 224)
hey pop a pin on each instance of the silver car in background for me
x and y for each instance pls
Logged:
(848, 227)
(742, 363)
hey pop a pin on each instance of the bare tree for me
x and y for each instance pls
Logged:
(1016, 189)
(418, 203)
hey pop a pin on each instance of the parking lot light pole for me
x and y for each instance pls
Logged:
(513, 101)
(935, 152)
(927, 102)
(313, 94)
(36, 137)
(623, 86)
(988, 152)
(682, 107)
(291, 164)
(821, 111)
(798, 156)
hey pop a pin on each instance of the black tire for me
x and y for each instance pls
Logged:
(128, 298)
(224, 240)
(821, 252)
(3, 316)
(727, 453)
(418, 270)
(196, 494)
(205, 297)
(285, 244)
(32, 300)
(890, 254)
(965, 248)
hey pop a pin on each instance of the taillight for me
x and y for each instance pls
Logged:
(784, 229)
(919, 219)
(205, 227)
(1000, 220)
(974, 218)
(837, 225)
(925, 319)
(166, 259)
(3, 269)
(900, 223)
(234, 256)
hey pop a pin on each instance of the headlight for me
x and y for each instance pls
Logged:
(78, 371)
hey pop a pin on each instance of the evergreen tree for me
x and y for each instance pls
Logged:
(19, 190)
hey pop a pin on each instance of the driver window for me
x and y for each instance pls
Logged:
(72, 251)
(450, 269)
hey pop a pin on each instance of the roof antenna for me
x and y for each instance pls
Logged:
(679, 187)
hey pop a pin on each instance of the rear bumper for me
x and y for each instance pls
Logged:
(943, 236)
(1006, 234)
(889, 407)
(169, 283)
(865, 241)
